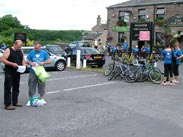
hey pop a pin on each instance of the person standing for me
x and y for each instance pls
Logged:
(3, 46)
(12, 58)
(125, 46)
(37, 56)
(135, 51)
(177, 54)
(115, 52)
(168, 71)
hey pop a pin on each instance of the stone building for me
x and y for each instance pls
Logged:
(97, 37)
(166, 15)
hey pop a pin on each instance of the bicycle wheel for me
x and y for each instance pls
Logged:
(143, 77)
(155, 75)
(132, 75)
(115, 72)
(109, 69)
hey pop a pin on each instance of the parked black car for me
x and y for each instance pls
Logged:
(93, 56)
(76, 44)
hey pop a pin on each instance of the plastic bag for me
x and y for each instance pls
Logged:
(36, 102)
(41, 73)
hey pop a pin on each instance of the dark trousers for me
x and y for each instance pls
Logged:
(11, 88)
(168, 70)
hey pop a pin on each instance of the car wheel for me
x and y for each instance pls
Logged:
(100, 66)
(60, 65)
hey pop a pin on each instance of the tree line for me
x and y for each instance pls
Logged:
(10, 25)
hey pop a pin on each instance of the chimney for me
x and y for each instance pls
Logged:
(98, 20)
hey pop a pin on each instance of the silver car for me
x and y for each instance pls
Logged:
(57, 62)
(1, 53)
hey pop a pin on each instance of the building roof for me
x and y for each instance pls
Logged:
(102, 26)
(91, 36)
(134, 3)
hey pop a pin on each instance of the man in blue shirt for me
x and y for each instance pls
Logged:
(36, 57)
(125, 46)
(135, 51)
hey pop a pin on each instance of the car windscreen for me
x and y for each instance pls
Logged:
(89, 51)
(26, 51)
(54, 48)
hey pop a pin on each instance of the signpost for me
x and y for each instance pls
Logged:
(142, 32)
(20, 36)
(121, 29)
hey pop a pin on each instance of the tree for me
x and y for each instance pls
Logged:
(9, 22)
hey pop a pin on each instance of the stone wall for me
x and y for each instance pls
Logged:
(170, 10)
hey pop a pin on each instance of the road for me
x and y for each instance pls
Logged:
(86, 104)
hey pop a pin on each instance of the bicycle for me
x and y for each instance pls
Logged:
(126, 71)
(111, 65)
(150, 71)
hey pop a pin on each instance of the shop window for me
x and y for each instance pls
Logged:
(159, 39)
(124, 16)
(142, 14)
(160, 13)
(121, 37)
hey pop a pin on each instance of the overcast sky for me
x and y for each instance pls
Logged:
(57, 14)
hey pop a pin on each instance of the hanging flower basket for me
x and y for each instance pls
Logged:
(160, 22)
(119, 23)
(109, 38)
(166, 34)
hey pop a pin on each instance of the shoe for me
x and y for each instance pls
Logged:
(28, 104)
(18, 105)
(43, 101)
(177, 82)
(10, 107)
(173, 84)
(163, 83)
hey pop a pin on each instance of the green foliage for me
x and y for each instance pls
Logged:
(9, 22)
(121, 23)
(160, 21)
(10, 25)
(141, 20)
(7, 40)
(50, 36)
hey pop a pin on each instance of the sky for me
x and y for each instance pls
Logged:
(57, 14)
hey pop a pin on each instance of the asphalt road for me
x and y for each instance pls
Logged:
(86, 104)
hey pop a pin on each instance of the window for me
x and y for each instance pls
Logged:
(142, 14)
(159, 39)
(121, 37)
(160, 13)
(124, 16)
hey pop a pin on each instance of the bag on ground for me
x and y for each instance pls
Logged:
(36, 102)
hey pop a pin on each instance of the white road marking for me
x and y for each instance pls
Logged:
(88, 86)
(52, 92)
(81, 76)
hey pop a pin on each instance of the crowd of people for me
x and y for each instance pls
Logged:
(119, 49)
(171, 55)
